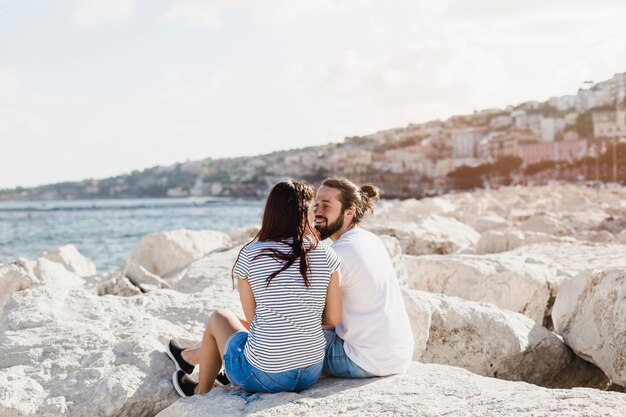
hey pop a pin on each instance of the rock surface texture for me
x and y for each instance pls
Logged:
(492, 342)
(590, 313)
(482, 273)
(515, 283)
(425, 390)
(164, 252)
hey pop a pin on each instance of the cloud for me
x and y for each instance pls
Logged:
(204, 13)
(433, 72)
(15, 122)
(191, 88)
(285, 11)
(210, 13)
(9, 82)
(100, 12)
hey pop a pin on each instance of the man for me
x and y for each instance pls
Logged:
(374, 337)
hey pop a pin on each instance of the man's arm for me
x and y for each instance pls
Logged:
(333, 307)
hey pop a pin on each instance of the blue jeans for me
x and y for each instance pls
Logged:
(337, 363)
(245, 375)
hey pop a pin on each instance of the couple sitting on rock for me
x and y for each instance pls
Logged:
(308, 307)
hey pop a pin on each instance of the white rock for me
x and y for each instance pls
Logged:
(612, 224)
(569, 259)
(602, 236)
(520, 214)
(495, 241)
(140, 277)
(112, 283)
(395, 253)
(164, 252)
(591, 218)
(515, 283)
(55, 273)
(426, 390)
(548, 223)
(66, 351)
(410, 210)
(431, 234)
(243, 235)
(482, 223)
(212, 272)
(573, 202)
(590, 313)
(16, 275)
(72, 260)
(492, 342)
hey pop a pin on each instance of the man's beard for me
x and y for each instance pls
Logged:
(329, 229)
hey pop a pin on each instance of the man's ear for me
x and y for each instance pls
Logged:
(349, 212)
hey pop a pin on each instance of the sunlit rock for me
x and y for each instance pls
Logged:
(432, 234)
(424, 390)
(16, 275)
(492, 342)
(69, 352)
(164, 252)
(515, 283)
(144, 279)
(590, 313)
(72, 260)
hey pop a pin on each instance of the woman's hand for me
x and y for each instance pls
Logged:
(332, 309)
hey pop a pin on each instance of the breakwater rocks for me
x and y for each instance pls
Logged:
(517, 299)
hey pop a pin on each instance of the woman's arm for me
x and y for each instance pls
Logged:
(247, 299)
(332, 309)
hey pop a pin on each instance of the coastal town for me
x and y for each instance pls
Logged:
(578, 138)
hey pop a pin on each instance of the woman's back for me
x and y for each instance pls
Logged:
(286, 331)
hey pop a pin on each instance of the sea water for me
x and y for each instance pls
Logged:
(106, 230)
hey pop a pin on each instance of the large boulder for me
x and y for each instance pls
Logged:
(410, 210)
(164, 252)
(72, 260)
(432, 234)
(569, 258)
(68, 352)
(515, 283)
(483, 222)
(502, 240)
(16, 275)
(492, 342)
(212, 272)
(590, 313)
(144, 279)
(20, 274)
(55, 273)
(425, 390)
(548, 223)
(394, 249)
(242, 235)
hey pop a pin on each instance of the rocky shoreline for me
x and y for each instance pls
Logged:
(517, 299)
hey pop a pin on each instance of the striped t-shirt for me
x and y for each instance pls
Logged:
(286, 331)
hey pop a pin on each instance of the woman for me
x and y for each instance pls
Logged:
(289, 286)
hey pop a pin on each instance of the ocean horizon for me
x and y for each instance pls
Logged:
(105, 231)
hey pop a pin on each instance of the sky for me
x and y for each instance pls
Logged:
(97, 88)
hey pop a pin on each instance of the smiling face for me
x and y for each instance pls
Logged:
(331, 220)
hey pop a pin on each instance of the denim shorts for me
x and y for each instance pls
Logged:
(243, 374)
(337, 363)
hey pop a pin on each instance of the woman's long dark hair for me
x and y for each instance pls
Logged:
(285, 217)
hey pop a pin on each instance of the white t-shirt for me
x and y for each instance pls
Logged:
(375, 326)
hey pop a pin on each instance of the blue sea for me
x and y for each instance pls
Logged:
(106, 230)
